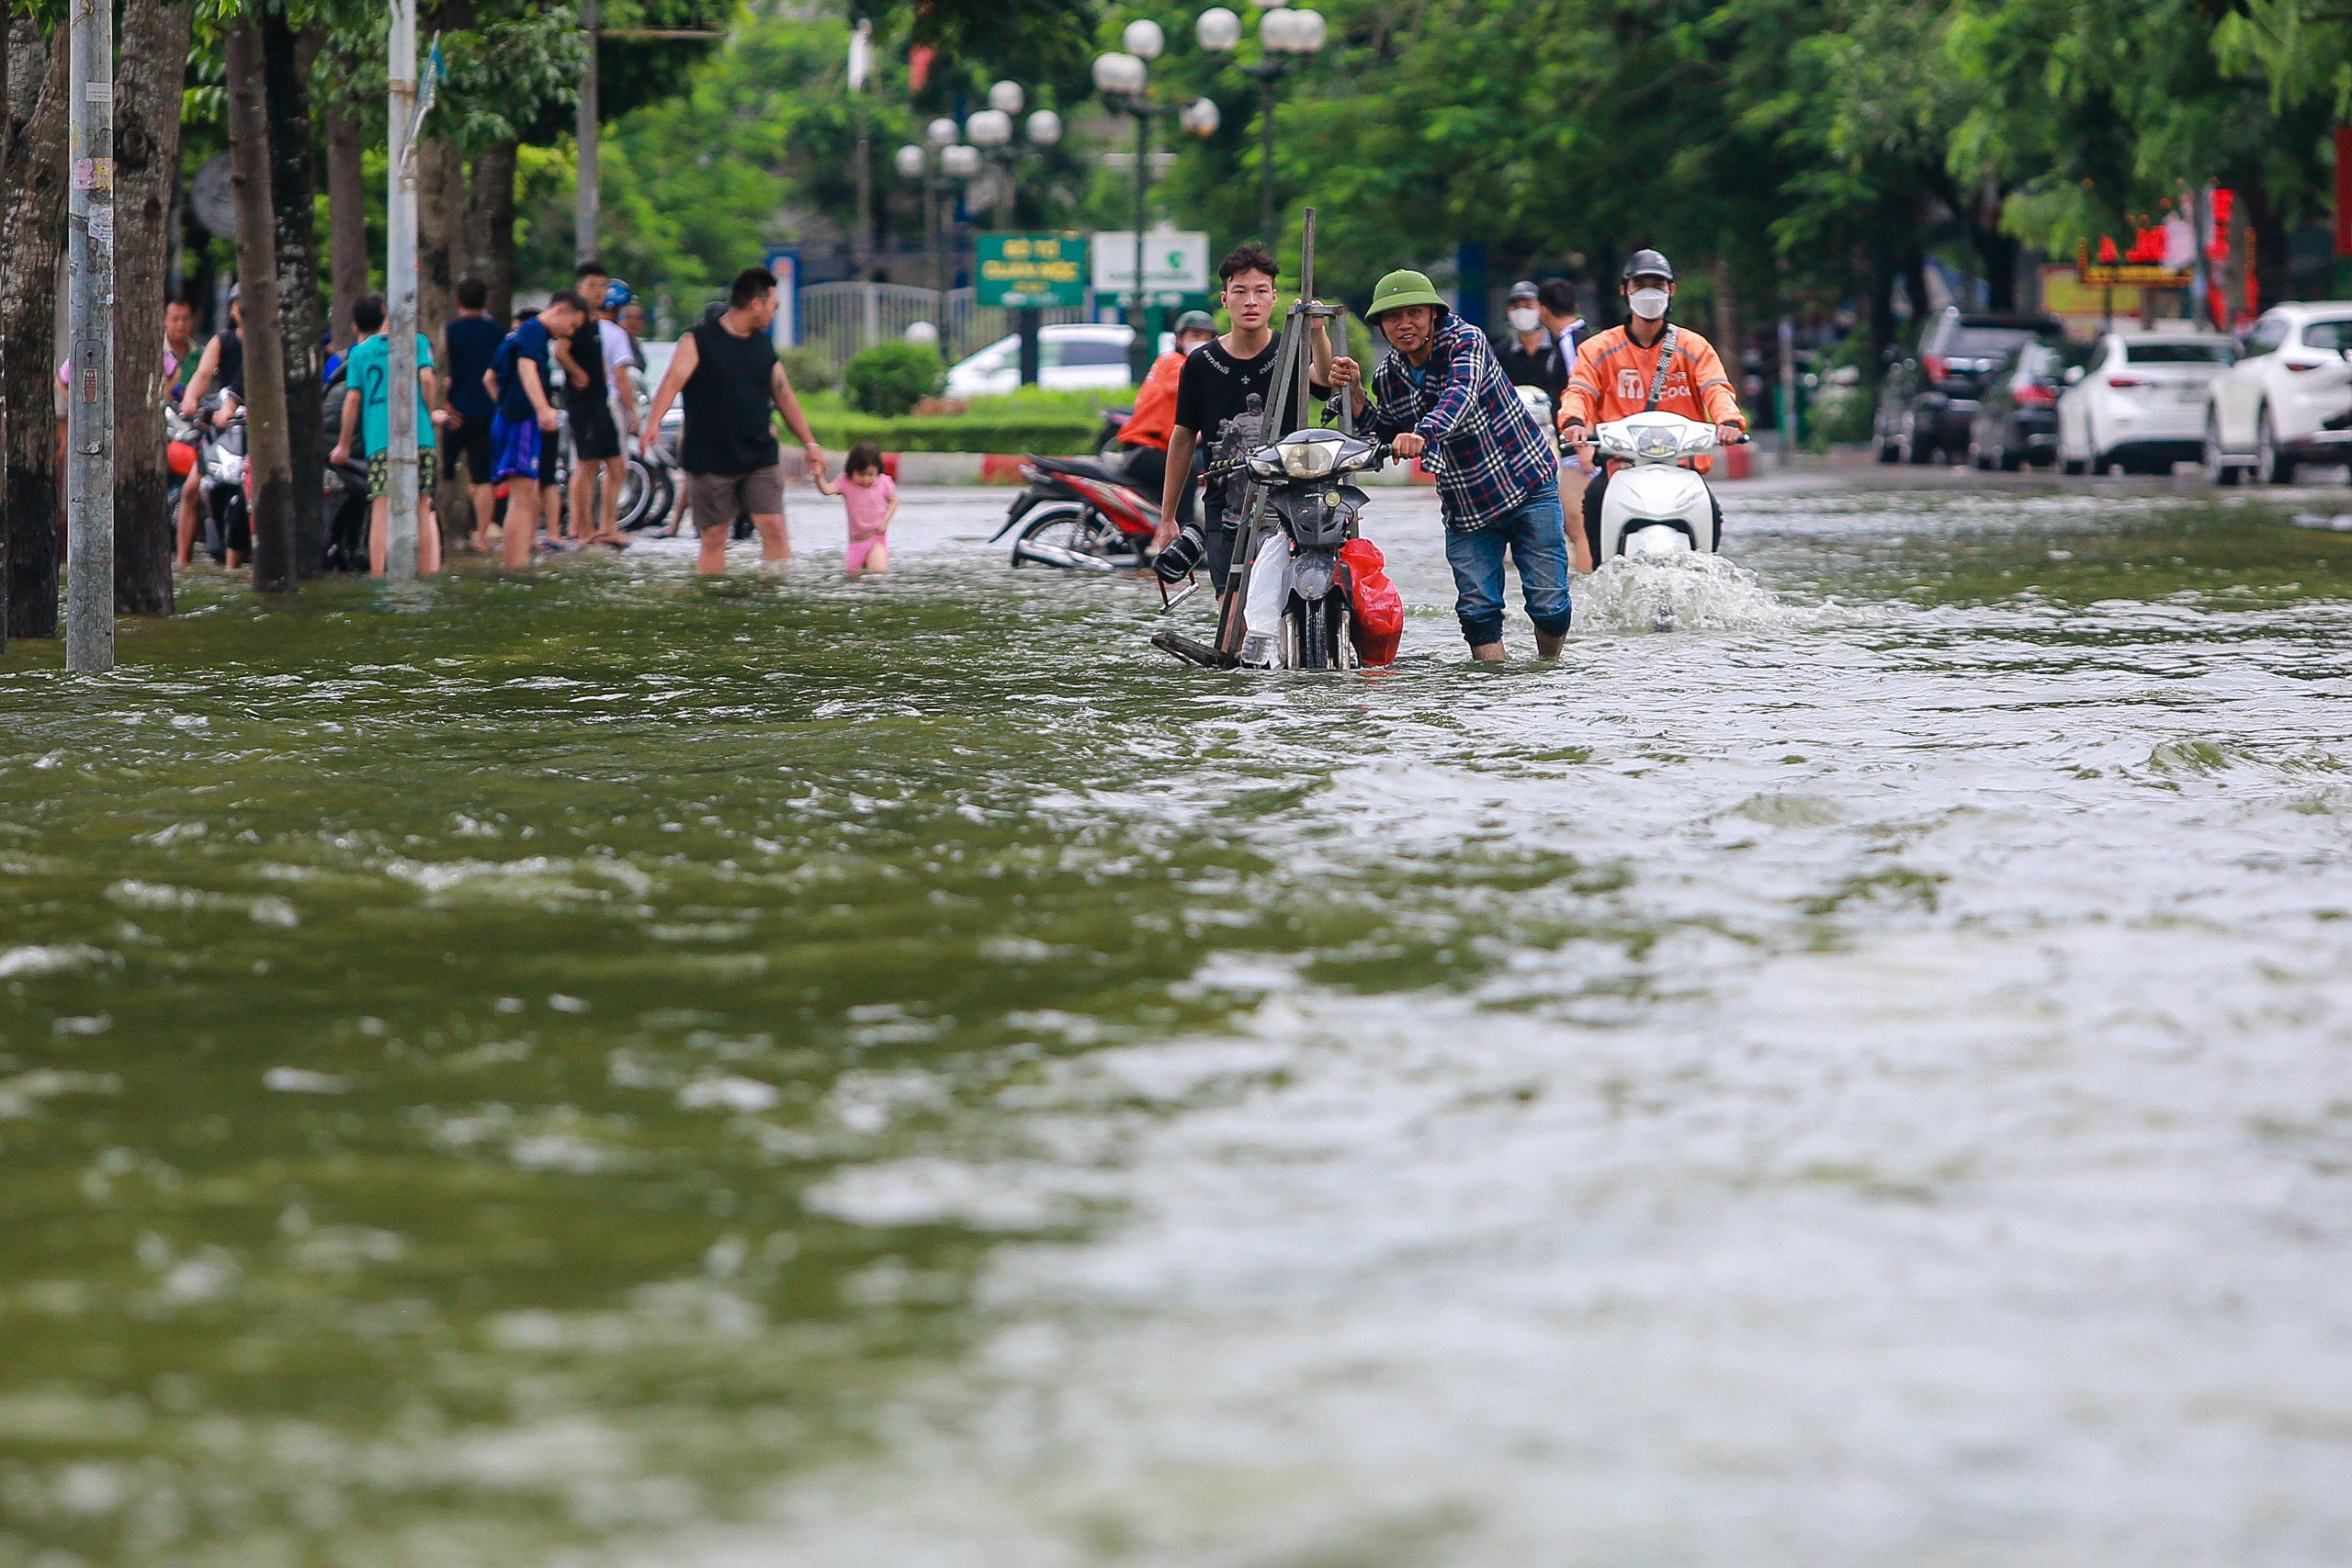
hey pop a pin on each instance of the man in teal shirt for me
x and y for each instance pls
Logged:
(367, 407)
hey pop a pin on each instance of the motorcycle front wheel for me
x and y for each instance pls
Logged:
(637, 489)
(1052, 535)
(1316, 630)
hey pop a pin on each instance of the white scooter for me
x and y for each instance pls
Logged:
(1656, 507)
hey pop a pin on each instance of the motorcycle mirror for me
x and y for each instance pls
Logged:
(2074, 375)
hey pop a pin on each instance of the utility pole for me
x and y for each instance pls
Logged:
(1141, 350)
(585, 214)
(400, 285)
(89, 411)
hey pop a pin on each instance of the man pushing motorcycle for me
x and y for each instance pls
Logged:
(1649, 363)
(1443, 398)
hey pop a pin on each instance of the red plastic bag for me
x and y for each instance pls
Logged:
(1379, 618)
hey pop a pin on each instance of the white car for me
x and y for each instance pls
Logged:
(2286, 401)
(2138, 400)
(1070, 358)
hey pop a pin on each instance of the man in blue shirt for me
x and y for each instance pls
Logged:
(522, 431)
(1442, 398)
(368, 406)
(473, 339)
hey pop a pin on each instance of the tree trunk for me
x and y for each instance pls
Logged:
(272, 475)
(146, 157)
(490, 226)
(285, 74)
(7, 259)
(347, 217)
(1727, 342)
(33, 194)
(2266, 226)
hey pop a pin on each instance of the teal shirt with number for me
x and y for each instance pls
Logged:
(369, 370)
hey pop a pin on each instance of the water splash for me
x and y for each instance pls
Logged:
(1685, 592)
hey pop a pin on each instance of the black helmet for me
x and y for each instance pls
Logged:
(1647, 264)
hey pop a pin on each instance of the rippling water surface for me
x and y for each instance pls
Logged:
(617, 1070)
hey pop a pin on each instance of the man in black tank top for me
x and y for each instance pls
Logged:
(734, 386)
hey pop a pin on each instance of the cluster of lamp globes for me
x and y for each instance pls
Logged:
(990, 129)
(1284, 30)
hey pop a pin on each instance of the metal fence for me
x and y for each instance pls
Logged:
(844, 318)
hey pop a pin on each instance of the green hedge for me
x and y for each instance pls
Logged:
(1061, 437)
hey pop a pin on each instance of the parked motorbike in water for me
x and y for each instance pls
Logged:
(1080, 514)
(226, 512)
(345, 500)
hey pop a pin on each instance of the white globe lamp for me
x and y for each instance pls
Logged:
(1142, 39)
(1218, 30)
(989, 127)
(907, 161)
(1006, 98)
(1045, 128)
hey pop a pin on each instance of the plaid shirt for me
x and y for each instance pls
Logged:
(1485, 448)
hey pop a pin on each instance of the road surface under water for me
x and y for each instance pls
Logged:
(615, 1071)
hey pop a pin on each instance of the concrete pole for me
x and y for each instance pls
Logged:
(89, 409)
(400, 287)
(1789, 422)
(585, 214)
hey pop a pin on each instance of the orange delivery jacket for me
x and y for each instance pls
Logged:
(1612, 376)
(1155, 417)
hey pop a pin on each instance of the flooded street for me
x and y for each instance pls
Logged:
(619, 1072)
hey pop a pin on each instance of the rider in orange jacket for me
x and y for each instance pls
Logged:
(1617, 372)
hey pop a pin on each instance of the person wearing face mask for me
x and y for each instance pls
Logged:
(1531, 353)
(1649, 363)
(1148, 429)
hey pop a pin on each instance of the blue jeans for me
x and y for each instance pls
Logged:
(1537, 537)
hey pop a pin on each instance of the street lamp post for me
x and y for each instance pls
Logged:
(1288, 35)
(1124, 77)
(944, 167)
(991, 130)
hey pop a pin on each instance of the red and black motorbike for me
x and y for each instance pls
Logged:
(1080, 516)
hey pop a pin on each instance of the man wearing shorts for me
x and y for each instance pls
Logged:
(473, 339)
(587, 401)
(367, 408)
(522, 431)
(727, 370)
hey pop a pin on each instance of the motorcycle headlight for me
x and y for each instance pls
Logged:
(1659, 443)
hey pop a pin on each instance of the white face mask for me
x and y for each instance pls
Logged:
(1649, 304)
(1524, 321)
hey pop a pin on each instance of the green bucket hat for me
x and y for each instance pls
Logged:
(1403, 288)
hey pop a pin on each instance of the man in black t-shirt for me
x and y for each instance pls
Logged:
(1216, 386)
(587, 406)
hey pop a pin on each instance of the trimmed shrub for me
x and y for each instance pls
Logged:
(890, 378)
(808, 368)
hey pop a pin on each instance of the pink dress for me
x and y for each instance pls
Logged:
(868, 506)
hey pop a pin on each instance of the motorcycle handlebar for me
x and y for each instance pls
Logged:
(1381, 451)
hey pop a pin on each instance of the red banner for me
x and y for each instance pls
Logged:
(2343, 190)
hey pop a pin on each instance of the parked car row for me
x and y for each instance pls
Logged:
(2009, 390)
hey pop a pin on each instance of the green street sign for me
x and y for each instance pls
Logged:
(1022, 271)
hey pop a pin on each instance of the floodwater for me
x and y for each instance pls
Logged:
(613, 1071)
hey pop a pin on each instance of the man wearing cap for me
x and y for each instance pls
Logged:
(1443, 397)
(1154, 419)
(1532, 354)
(1646, 363)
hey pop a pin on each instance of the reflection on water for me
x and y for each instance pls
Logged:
(616, 1069)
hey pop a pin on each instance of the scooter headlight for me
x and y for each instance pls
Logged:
(1309, 455)
(1658, 443)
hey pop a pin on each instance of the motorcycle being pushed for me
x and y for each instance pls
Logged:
(1314, 596)
(1082, 515)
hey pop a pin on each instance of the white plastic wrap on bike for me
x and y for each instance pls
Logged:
(1269, 589)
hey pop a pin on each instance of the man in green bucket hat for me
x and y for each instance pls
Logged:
(1443, 397)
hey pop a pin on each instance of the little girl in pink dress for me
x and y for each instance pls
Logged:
(871, 498)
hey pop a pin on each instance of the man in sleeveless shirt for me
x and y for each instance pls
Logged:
(733, 385)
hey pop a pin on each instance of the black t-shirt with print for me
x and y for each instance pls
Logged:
(1215, 387)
